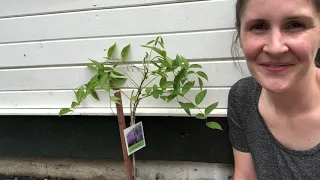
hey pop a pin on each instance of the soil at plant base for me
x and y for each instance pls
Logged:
(6, 177)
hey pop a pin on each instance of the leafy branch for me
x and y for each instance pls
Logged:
(174, 83)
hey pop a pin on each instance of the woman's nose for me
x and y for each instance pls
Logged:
(275, 43)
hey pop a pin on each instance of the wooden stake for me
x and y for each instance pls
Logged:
(122, 126)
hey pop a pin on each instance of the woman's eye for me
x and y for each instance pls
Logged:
(296, 26)
(259, 27)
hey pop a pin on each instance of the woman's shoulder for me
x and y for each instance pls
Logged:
(245, 85)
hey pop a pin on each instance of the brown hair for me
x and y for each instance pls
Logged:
(235, 43)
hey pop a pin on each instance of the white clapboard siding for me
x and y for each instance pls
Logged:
(153, 111)
(220, 73)
(44, 46)
(63, 98)
(157, 19)
(194, 46)
(26, 7)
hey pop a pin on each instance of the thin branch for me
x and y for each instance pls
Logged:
(150, 81)
(125, 94)
(131, 80)
(191, 102)
(110, 105)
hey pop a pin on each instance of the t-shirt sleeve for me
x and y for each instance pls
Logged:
(236, 130)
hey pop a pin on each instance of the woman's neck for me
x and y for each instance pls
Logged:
(302, 98)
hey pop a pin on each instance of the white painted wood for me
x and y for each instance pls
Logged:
(26, 7)
(109, 112)
(158, 19)
(44, 46)
(194, 46)
(63, 99)
(220, 73)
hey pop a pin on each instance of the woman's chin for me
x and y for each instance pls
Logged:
(275, 86)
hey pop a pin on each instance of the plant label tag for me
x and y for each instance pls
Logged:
(134, 137)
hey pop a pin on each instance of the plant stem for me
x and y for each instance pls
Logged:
(131, 80)
(191, 102)
(151, 81)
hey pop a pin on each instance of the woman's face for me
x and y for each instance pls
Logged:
(280, 39)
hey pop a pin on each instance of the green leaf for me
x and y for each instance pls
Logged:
(168, 84)
(155, 87)
(187, 111)
(157, 50)
(148, 90)
(80, 94)
(101, 72)
(164, 98)
(202, 74)
(95, 95)
(133, 98)
(162, 45)
(111, 50)
(211, 108)
(185, 61)
(181, 74)
(161, 40)
(190, 72)
(187, 105)
(214, 125)
(107, 88)
(187, 87)
(170, 97)
(176, 86)
(178, 60)
(154, 63)
(98, 65)
(64, 111)
(108, 68)
(94, 82)
(169, 61)
(115, 88)
(125, 52)
(117, 73)
(195, 66)
(156, 93)
(200, 96)
(115, 99)
(74, 104)
(165, 63)
(162, 82)
(91, 67)
(152, 41)
(104, 79)
(200, 83)
(118, 80)
(201, 116)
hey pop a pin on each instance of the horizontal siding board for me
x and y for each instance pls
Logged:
(220, 73)
(63, 99)
(108, 112)
(23, 7)
(194, 46)
(158, 19)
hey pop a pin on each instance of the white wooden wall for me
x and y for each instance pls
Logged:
(44, 46)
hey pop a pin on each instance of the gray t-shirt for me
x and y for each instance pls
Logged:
(249, 133)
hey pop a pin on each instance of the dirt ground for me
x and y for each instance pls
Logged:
(6, 177)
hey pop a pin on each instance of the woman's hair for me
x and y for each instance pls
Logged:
(240, 5)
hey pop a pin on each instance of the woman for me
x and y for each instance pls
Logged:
(274, 116)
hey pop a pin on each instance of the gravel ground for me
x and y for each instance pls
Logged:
(5, 177)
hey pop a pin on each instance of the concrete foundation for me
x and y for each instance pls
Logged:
(114, 170)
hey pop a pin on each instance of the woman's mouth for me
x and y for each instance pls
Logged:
(276, 67)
